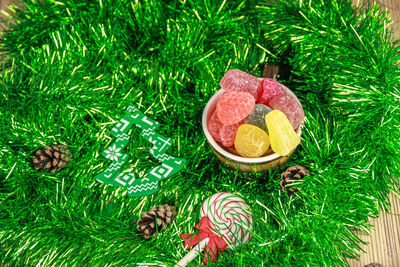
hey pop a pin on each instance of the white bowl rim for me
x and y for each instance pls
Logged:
(229, 155)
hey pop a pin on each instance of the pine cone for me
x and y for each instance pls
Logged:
(374, 264)
(52, 159)
(156, 219)
(292, 175)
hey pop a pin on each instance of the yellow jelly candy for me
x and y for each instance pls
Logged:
(251, 141)
(281, 133)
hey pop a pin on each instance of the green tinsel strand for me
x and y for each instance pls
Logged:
(71, 80)
(354, 82)
(357, 59)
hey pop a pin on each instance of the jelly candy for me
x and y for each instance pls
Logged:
(228, 133)
(237, 80)
(270, 88)
(281, 133)
(257, 116)
(234, 106)
(290, 106)
(214, 126)
(251, 141)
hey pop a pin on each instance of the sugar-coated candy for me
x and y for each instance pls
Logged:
(237, 80)
(214, 126)
(281, 133)
(251, 141)
(234, 106)
(228, 133)
(257, 116)
(270, 89)
(290, 106)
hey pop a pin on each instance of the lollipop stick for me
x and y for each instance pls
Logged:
(193, 253)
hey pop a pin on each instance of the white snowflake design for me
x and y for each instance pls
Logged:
(113, 152)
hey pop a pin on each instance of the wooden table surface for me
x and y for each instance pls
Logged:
(384, 239)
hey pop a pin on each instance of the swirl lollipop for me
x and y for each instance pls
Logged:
(226, 221)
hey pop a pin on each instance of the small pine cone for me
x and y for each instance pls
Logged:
(156, 219)
(374, 264)
(292, 175)
(52, 159)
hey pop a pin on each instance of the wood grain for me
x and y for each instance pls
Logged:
(391, 6)
(384, 240)
(3, 5)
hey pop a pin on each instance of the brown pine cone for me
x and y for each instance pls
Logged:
(52, 159)
(374, 264)
(156, 219)
(292, 175)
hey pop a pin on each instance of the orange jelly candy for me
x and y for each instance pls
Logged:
(251, 141)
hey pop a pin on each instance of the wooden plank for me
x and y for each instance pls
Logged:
(3, 6)
(3, 3)
(393, 7)
(384, 240)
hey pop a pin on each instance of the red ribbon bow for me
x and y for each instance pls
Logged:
(215, 245)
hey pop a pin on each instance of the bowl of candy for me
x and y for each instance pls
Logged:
(252, 124)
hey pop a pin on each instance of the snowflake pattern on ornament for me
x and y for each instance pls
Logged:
(112, 152)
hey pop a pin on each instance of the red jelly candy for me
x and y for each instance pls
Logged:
(228, 133)
(290, 107)
(270, 89)
(237, 80)
(234, 106)
(214, 126)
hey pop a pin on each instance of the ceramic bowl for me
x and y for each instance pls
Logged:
(228, 158)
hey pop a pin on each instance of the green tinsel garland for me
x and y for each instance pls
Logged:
(76, 65)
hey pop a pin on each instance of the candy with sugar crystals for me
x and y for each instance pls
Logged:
(237, 80)
(282, 136)
(251, 141)
(270, 89)
(290, 106)
(214, 126)
(257, 116)
(228, 133)
(234, 106)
